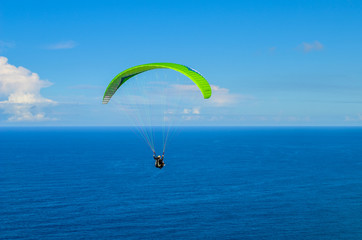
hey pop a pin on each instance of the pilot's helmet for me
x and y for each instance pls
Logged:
(159, 156)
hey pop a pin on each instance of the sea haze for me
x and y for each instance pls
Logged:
(218, 183)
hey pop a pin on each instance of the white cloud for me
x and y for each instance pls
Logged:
(186, 111)
(195, 110)
(314, 46)
(220, 96)
(62, 45)
(185, 87)
(355, 118)
(22, 88)
(190, 117)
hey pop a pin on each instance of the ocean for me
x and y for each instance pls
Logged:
(218, 183)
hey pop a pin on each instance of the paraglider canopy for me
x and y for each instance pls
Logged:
(122, 77)
(146, 103)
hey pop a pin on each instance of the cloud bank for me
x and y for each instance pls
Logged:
(22, 88)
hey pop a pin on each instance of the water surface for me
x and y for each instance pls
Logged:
(218, 183)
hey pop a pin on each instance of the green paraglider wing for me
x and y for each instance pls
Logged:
(121, 78)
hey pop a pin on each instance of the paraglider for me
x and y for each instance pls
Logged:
(130, 73)
(159, 163)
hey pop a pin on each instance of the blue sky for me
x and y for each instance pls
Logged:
(269, 62)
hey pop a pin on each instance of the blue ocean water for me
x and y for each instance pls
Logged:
(218, 183)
